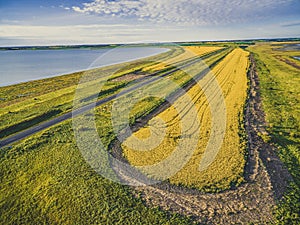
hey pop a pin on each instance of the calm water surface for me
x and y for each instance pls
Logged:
(297, 57)
(25, 65)
(291, 47)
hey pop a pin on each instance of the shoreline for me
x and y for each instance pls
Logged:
(163, 49)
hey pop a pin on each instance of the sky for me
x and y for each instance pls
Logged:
(53, 22)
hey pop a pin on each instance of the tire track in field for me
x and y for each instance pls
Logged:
(197, 97)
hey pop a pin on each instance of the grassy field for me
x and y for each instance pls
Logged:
(44, 179)
(227, 169)
(279, 83)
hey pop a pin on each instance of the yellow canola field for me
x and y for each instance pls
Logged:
(189, 52)
(165, 132)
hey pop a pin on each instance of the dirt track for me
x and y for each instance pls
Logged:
(266, 179)
(295, 65)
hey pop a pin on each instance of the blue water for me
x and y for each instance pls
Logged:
(291, 47)
(25, 65)
(297, 57)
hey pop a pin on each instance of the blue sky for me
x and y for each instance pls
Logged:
(45, 22)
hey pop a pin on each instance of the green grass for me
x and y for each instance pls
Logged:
(44, 180)
(31, 112)
(279, 83)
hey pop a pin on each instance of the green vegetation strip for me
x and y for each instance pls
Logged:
(279, 83)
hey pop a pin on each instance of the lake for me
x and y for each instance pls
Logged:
(291, 47)
(297, 57)
(18, 66)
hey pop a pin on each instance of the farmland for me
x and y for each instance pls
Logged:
(52, 186)
(248, 99)
(227, 168)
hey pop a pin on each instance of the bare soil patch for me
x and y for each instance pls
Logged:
(131, 76)
(293, 64)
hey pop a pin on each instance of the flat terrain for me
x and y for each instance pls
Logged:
(252, 95)
(227, 169)
(279, 82)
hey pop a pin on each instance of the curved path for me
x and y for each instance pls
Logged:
(265, 175)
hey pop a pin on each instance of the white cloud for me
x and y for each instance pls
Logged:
(14, 35)
(92, 33)
(193, 12)
(65, 31)
(170, 20)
